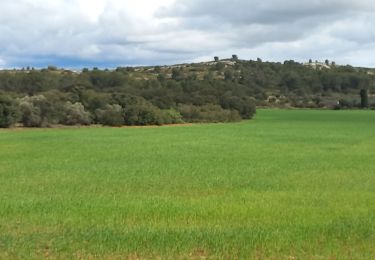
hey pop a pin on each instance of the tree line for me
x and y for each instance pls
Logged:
(218, 91)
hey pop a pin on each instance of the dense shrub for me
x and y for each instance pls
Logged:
(346, 104)
(208, 113)
(364, 98)
(36, 111)
(8, 112)
(142, 113)
(171, 116)
(245, 105)
(111, 115)
(75, 114)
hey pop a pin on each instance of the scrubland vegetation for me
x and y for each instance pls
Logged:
(221, 91)
(290, 184)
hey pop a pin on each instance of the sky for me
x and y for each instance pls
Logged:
(111, 33)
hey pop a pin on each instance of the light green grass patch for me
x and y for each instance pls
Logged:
(288, 183)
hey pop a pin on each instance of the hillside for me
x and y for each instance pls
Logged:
(215, 91)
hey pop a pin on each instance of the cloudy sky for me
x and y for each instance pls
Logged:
(110, 33)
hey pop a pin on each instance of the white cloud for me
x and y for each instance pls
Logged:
(121, 32)
(2, 63)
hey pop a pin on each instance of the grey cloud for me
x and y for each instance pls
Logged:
(288, 29)
(264, 11)
(187, 30)
(359, 29)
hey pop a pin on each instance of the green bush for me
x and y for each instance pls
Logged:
(171, 116)
(75, 114)
(138, 111)
(111, 115)
(36, 111)
(208, 113)
(8, 112)
(245, 106)
(142, 114)
(364, 98)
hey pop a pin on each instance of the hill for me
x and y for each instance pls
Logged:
(214, 91)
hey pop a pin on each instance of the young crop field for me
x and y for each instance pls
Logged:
(290, 183)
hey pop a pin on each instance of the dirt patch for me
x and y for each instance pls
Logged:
(20, 128)
(156, 126)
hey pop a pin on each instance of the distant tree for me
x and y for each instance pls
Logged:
(138, 111)
(245, 105)
(36, 111)
(291, 79)
(75, 114)
(30, 114)
(216, 58)
(344, 103)
(310, 61)
(178, 74)
(111, 115)
(8, 112)
(228, 75)
(161, 78)
(209, 76)
(327, 62)
(364, 98)
(91, 99)
(234, 57)
(171, 116)
(219, 66)
(52, 68)
(259, 60)
(157, 69)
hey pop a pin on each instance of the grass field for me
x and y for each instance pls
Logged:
(286, 184)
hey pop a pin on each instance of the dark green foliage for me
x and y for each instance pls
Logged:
(346, 104)
(143, 112)
(244, 106)
(36, 111)
(138, 111)
(364, 98)
(52, 68)
(172, 116)
(178, 74)
(75, 114)
(227, 88)
(161, 78)
(228, 75)
(93, 100)
(291, 80)
(219, 66)
(208, 113)
(111, 115)
(8, 112)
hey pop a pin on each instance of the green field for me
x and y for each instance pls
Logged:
(286, 184)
